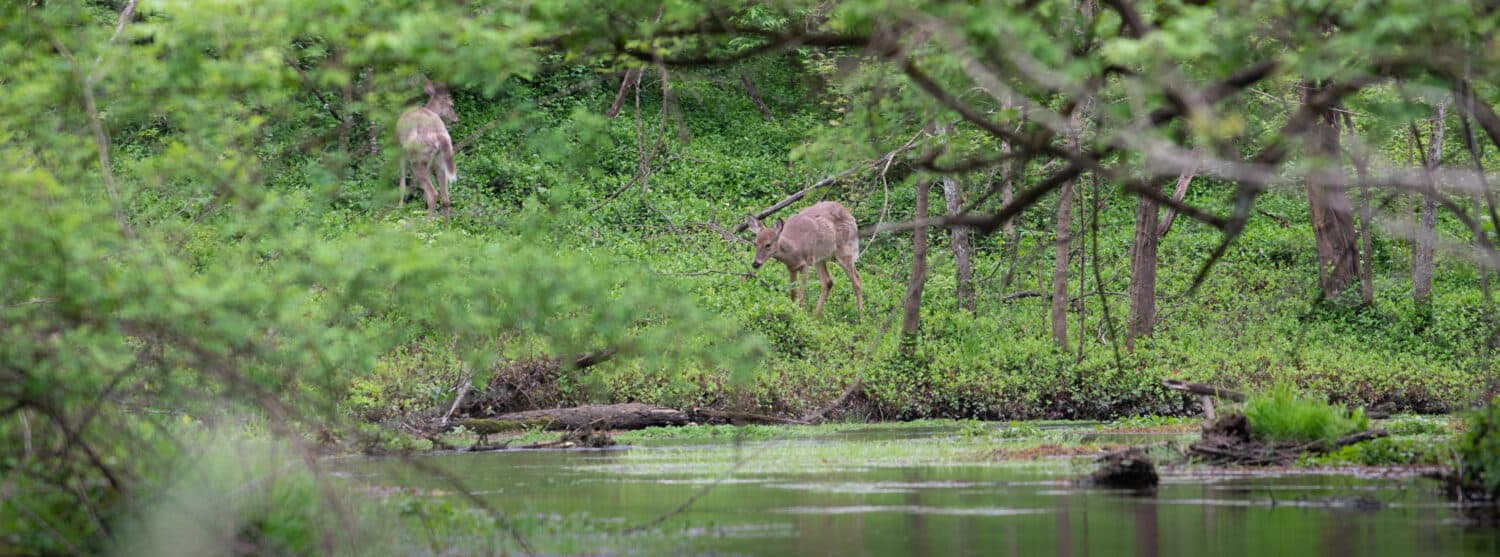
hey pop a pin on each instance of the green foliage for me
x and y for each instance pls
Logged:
(1417, 425)
(1150, 421)
(1283, 414)
(254, 265)
(1477, 452)
(1386, 451)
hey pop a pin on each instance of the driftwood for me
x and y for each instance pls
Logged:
(703, 415)
(632, 415)
(1229, 441)
(1205, 394)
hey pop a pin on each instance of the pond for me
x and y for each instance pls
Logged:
(869, 491)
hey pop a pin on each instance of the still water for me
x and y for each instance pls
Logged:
(931, 493)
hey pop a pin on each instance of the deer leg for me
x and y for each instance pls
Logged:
(796, 292)
(443, 184)
(424, 177)
(401, 202)
(827, 283)
(847, 263)
(802, 285)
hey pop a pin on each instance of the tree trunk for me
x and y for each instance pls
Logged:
(631, 79)
(606, 416)
(1007, 190)
(1060, 265)
(1367, 257)
(1332, 216)
(911, 321)
(1421, 268)
(1178, 193)
(371, 133)
(961, 261)
(754, 94)
(1064, 227)
(1143, 272)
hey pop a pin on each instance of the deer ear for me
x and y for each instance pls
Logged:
(428, 86)
(780, 223)
(754, 223)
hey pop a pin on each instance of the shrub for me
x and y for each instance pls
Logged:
(1282, 415)
(1477, 453)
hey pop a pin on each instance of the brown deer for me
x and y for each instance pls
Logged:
(424, 141)
(810, 238)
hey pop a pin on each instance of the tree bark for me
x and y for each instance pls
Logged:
(607, 416)
(1178, 193)
(631, 79)
(1064, 227)
(952, 196)
(1143, 271)
(765, 111)
(1422, 258)
(911, 321)
(1332, 216)
(1366, 254)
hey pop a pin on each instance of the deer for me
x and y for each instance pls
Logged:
(808, 239)
(424, 141)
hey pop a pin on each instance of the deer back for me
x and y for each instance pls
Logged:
(818, 232)
(421, 131)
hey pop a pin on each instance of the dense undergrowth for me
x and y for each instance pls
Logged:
(1256, 321)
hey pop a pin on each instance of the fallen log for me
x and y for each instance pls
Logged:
(1205, 394)
(632, 415)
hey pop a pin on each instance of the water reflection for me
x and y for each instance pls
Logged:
(841, 505)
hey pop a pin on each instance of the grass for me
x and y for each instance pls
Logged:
(1282, 414)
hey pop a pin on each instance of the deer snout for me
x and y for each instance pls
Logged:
(756, 264)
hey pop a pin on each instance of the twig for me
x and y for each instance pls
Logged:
(790, 199)
(101, 141)
(463, 391)
(1023, 294)
(723, 232)
(308, 84)
(696, 496)
(125, 16)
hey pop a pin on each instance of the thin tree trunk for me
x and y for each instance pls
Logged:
(1422, 258)
(911, 321)
(1178, 193)
(371, 134)
(631, 79)
(1007, 189)
(1083, 266)
(961, 261)
(1064, 227)
(1060, 265)
(346, 126)
(754, 94)
(1361, 169)
(1143, 271)
(1332, 217)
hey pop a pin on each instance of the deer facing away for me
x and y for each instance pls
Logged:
(425, 145)
(808, 239)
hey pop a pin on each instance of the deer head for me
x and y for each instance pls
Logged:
(767, 240)
(439, 101)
